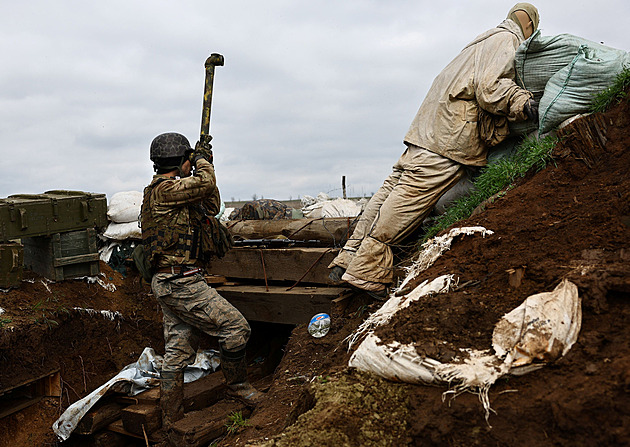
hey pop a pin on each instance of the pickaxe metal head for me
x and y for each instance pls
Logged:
(215, 60)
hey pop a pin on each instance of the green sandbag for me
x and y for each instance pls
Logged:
(564, 72)
(539, 58)
(571, 90)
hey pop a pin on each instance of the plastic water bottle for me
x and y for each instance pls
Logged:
(319, 325)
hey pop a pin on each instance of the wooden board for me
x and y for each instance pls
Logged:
(277, 305)
(332, 232)
(99, 418)
(198, 394)
(63, 255)
(198, 428)
(141, 418)
(307, 265)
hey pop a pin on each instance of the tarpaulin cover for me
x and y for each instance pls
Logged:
(133, 379)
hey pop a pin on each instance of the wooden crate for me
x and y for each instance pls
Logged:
(11, 264)
(63, 255)
(30, 215)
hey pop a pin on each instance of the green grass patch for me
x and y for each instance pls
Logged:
(4, 321)
(496, 178)
(236, 421)
(614, 94)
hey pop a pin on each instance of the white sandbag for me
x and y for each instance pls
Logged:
(340, 208)
(396, 362)
(570, 91)
(543, 328)
(122, 231)
(225, 217)
(124, 206)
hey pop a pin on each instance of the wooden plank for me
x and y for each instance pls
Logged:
(117, 427)
(198, 428)
(99, 418)
(277, 305)
(138, 419)
(151, 396)
(68, 260)
(204, 392)
(309, 265)
(198, 394)
(109, 439)
(330, 231)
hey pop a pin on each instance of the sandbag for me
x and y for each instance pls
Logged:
(539, 58)
(122, 231)
(570, 91)
(564, 72)
(124, 206)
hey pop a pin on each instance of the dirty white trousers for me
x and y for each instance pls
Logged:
(418, 180)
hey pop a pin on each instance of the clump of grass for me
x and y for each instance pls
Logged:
(498, 177)
(613, 94)
(236, 421)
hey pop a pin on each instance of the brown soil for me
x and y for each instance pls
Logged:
(569, 220)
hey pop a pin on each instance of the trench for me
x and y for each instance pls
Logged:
(79, 353)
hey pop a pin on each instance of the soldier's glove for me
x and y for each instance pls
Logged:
(531, 110)
(203, 150)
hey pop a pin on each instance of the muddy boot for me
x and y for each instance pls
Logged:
(234, 367)
(171, 397)
(335, 275)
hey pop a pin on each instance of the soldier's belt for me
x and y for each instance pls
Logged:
(179, 271)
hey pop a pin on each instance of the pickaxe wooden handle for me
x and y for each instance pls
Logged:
(213, 61)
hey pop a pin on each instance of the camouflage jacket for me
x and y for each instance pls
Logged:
(169, 206)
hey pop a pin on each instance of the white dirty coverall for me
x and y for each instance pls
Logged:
(442, 138)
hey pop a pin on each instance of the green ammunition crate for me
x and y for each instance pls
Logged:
(11, 264)
(28, 215)
(62, 255)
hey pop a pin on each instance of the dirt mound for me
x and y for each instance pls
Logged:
(570, 220)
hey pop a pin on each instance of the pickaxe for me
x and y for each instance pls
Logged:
(215, 60)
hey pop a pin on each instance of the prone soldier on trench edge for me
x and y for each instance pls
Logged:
(174, 210)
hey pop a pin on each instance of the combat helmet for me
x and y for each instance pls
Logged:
(169, 151)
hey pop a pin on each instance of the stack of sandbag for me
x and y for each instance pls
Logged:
(325, 206)
(123, 211)
(564, 72)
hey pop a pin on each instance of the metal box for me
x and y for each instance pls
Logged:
(63, 255)
(11, 264)
(28, 215)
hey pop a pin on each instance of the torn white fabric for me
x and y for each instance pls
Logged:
(543, 328)
(441, 284)
(396, 362)
(133, 379)
(95, 279)
(433, 249)
(109, 314)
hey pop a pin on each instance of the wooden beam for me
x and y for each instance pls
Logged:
(138, 419)
(99, 418)
(309, 265)
(331, 232)
(277, 305)
(199, 428)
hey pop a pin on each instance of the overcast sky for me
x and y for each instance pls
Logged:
(310, 91)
